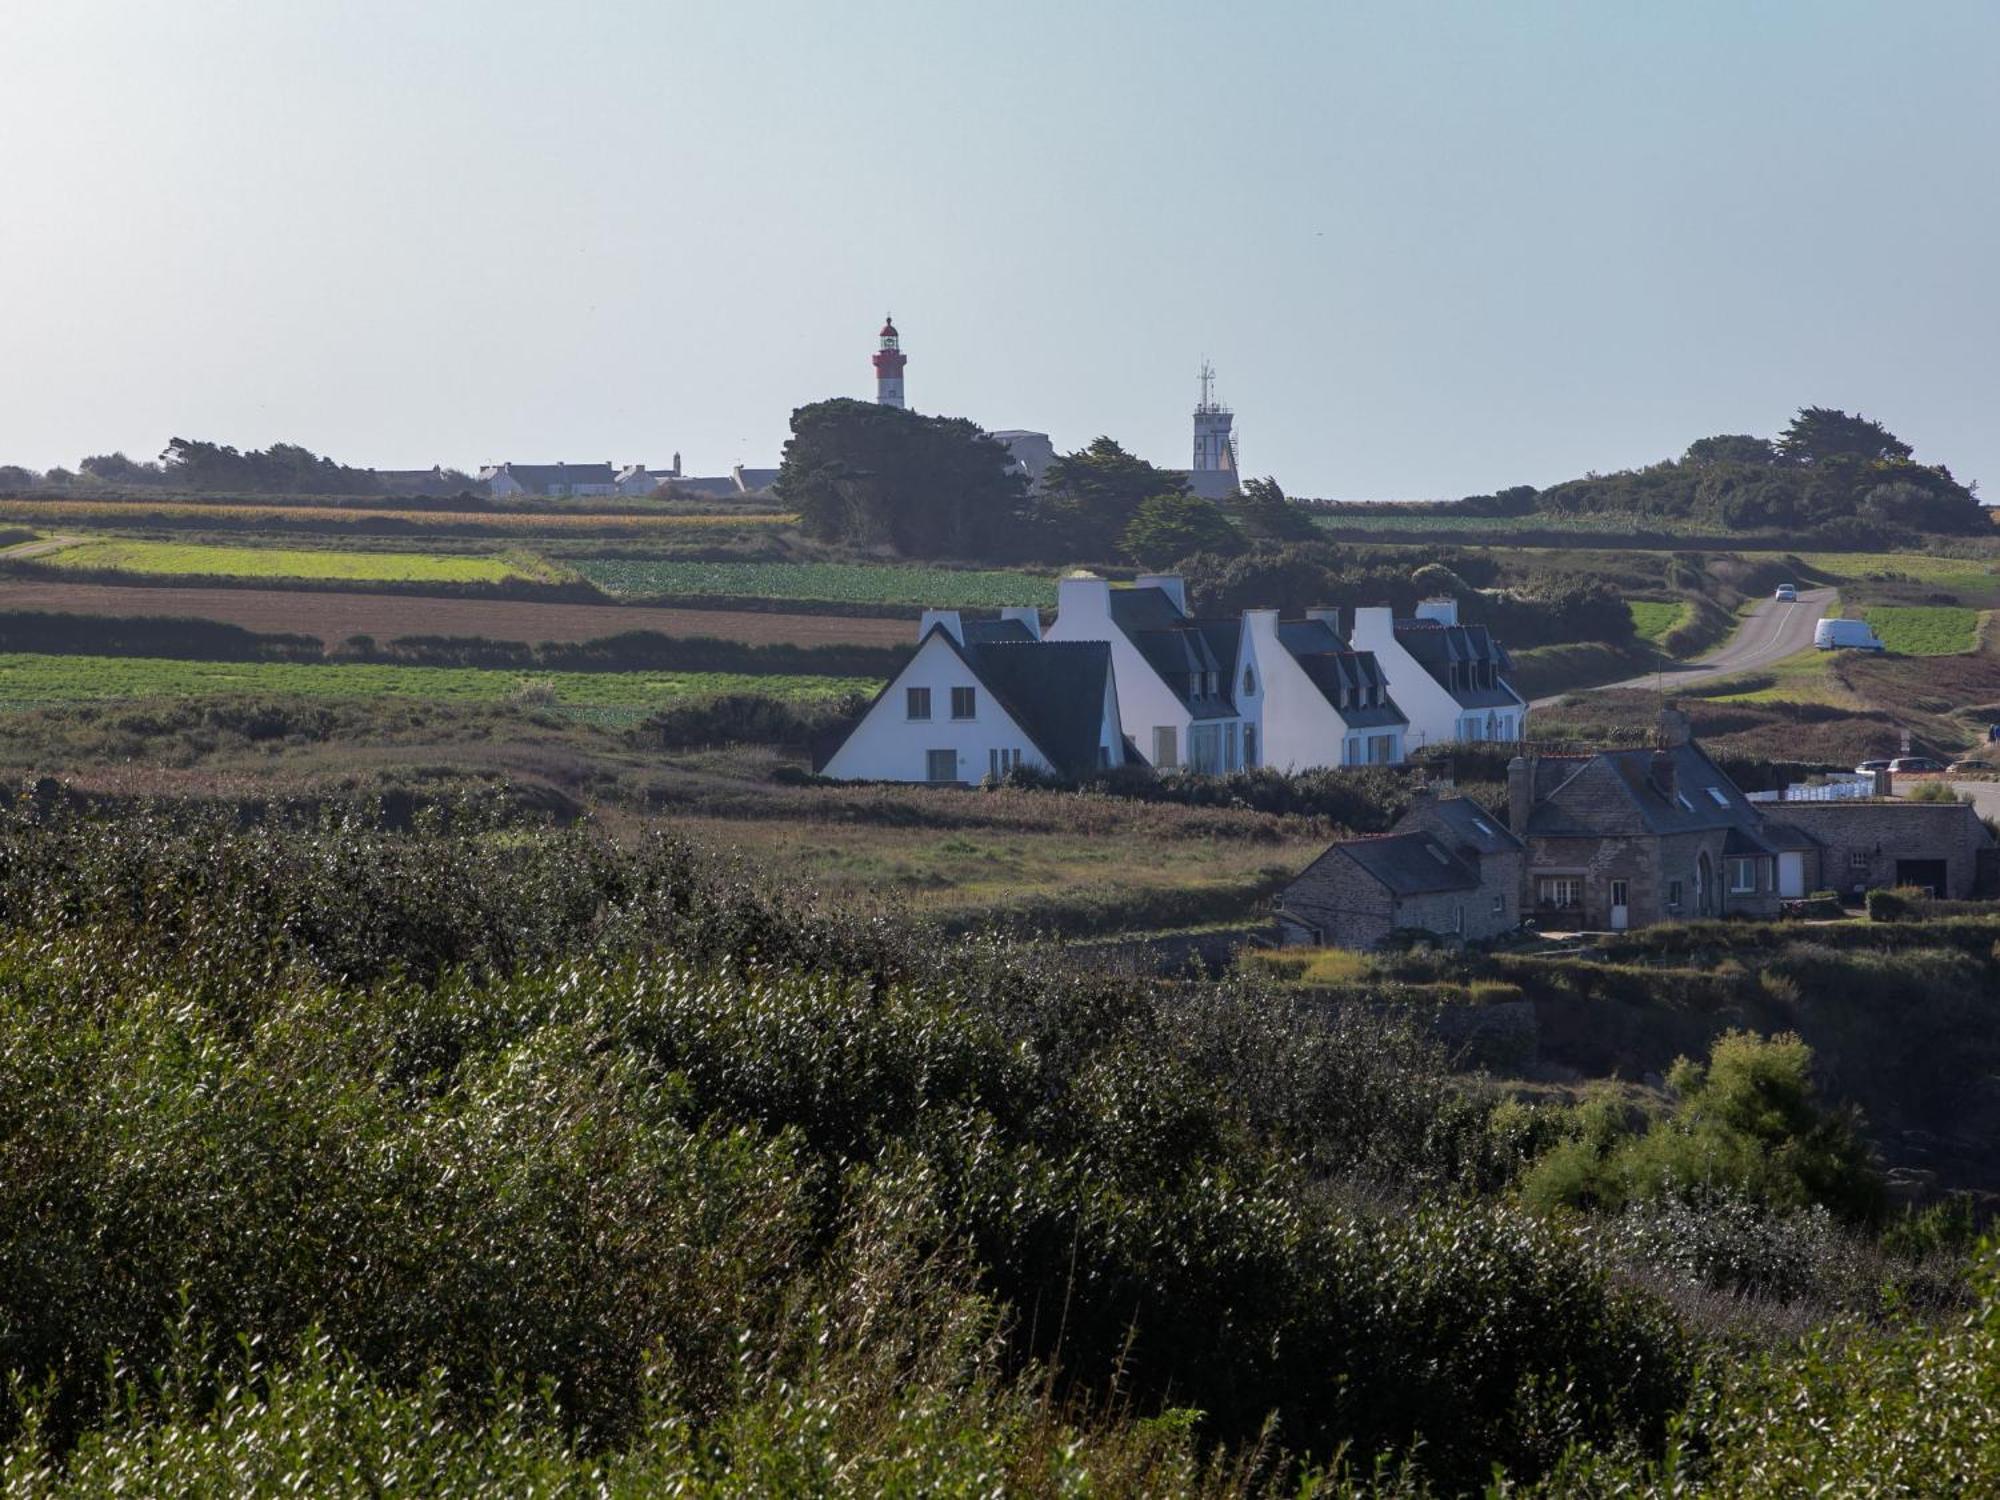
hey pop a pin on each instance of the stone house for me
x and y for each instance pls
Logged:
(1889, 841)
(1449, 868)
(1627, 838)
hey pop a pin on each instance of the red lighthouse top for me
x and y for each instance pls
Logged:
(888, 328)
(889, 361)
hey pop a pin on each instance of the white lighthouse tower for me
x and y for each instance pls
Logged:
(1214, 474)
(889, 362)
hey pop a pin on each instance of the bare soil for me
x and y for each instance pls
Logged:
(333, 617)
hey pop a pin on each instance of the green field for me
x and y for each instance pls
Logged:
(31, 680)
(1925, 630)
(284, 562)
(845, 583)
(1475, 528)
(1652, 619)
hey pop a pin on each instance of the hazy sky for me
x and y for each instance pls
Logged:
(1431, 249)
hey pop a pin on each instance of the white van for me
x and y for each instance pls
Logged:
(1856, 635)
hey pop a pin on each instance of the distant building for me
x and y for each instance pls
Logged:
(1031, 452)
(889, 361)
(553, 481)
(1214, 475)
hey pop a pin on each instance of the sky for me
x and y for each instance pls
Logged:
(1431, 249)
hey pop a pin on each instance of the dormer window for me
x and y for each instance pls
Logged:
(1249, 682)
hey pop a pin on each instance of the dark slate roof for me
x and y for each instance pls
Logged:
(995, 632)
(1745, 841)
(1437, 646)
(1619, 792)
(1332, 666)
(1787, 836)
(1410, 864)
(1474, 826)
(717, 485)
(1180, 648)
(541, 476)
(758, 479)
(1055, 690)
(1134, 610)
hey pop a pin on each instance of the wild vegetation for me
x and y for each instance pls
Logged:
(854, 583)
(507, 1158)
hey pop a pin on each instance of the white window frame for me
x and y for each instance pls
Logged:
(1740, 867)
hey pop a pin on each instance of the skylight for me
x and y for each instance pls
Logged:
(1480, 824)
(1721, 797)
(1438, 854)
(1682, 798)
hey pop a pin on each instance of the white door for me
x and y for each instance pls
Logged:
(1621, 911)
(1791, 875)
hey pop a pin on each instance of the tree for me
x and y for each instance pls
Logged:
(1731, 448)
(1089, 497)
(1820, 434)
(1168, 527)
(15, 478)
(871, 475)
(116, 468)
(1264, 512)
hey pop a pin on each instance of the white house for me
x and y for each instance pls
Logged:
(1310, 699)
(983, 697)
(1174, 674)
(558, 481)
(1217, 695)
(1451, 679)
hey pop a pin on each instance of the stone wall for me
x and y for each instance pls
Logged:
(1862, 841)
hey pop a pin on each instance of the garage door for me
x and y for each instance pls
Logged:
(1927, 873)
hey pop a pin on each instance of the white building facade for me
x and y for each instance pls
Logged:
(1450, 679)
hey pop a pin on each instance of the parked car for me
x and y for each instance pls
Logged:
(1788, 593)
(1870, 767)
(1915, 765)
(1962, 767)
(1854, 635)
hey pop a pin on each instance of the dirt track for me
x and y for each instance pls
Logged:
(333, 617)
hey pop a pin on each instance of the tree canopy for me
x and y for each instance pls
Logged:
(1167, 528)
(872, 475)
(281, 469)
(1091, 496)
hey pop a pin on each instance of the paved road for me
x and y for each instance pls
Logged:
(40, 549)
(1772, 632)
(1985, 796)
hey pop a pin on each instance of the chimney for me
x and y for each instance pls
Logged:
(1028, 615)
(1374, 627)
(948, 618)
(1663, 772)
(1170, 584)
(1327, 615)
(1082, 599)
(1675, 729)
(676, 470)
(1520, 794)
(1442, 609)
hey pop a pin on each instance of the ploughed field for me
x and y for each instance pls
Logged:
(845, 583)
(336, 617)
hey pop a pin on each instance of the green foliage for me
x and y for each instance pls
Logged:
(1747, 1125)
(1091, 496)
(1167, 528)
(852, 583)
(1264, 513)
(1824, 434)
(871, 475)
(1731, 448)
(1652, 619)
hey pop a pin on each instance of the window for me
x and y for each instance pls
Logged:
(1204, 748)
(1858, 861)
(1164, 756)
(940, 765)
(1214, 681)
(1718, 796)
(1350, 752)
(1673, 893)
(1000, 762)
(1742, 876)
(917, 703)
(1499, 906)
(1682, 798)
(1229, 750)
(1249, 681)
(1103, 757)
(1250, 746)
(964, 703)
(1458, 920)
(1381, 749)
(1559, 890)
(1621, 893)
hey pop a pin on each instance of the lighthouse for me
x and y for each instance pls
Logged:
(889, 362)
(1214, 474)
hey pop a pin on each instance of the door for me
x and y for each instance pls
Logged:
(1791, 875)
(1925, 874)
(1621, 906)
(941, 765)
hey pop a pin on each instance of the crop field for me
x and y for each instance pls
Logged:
(845, 583)
(32, 679)
(1925, 630)
(1653, 619)
(141, 513)
(177, 558)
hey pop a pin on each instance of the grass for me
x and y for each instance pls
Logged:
(1652, 619)
(1473, 528)
(1802, 678)
(847, 583)
(194, 560)
(32, 679)
(1925, 630)
(1309, 965)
